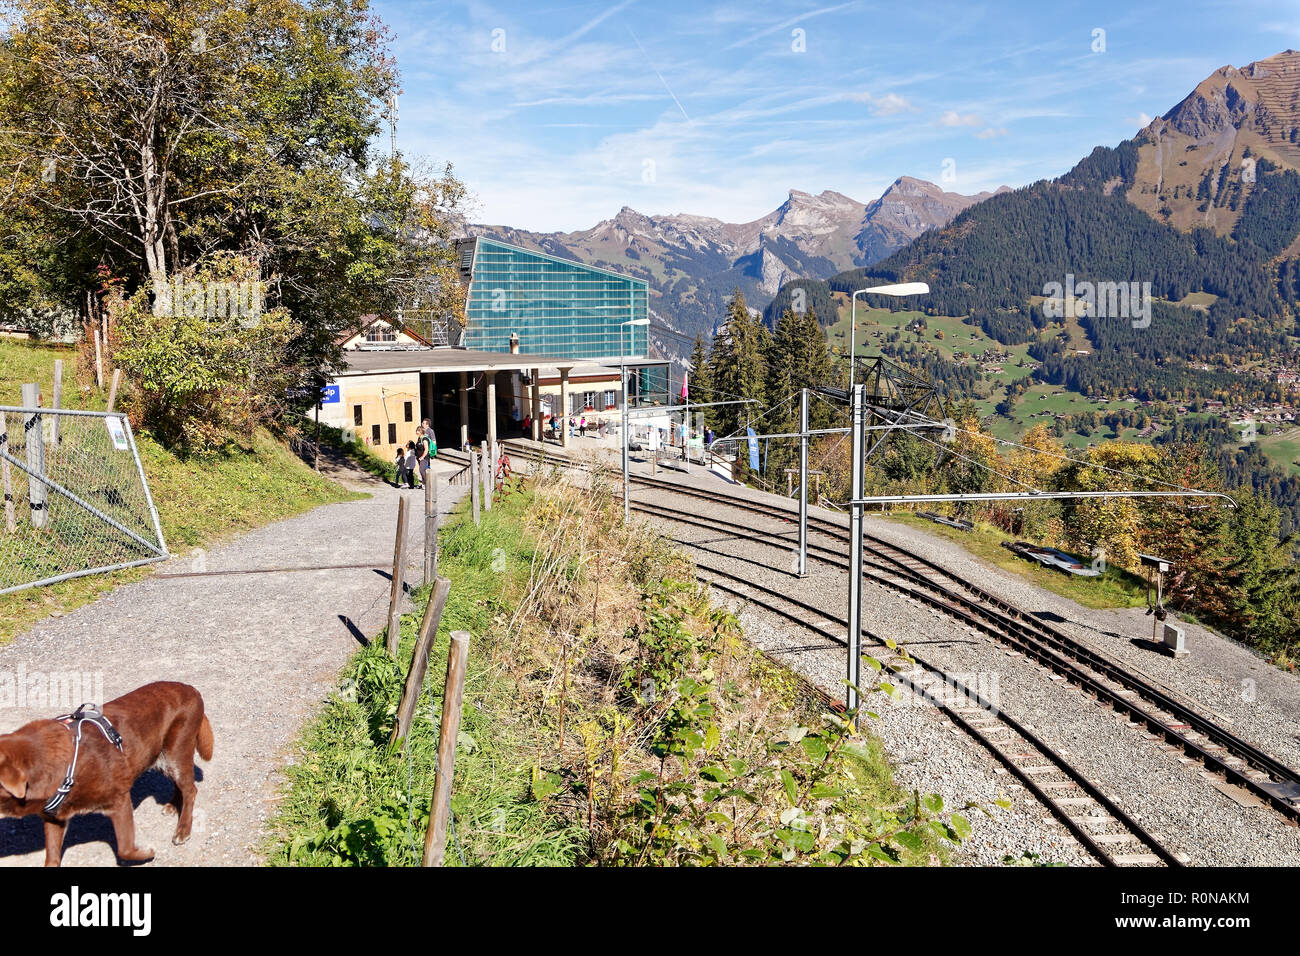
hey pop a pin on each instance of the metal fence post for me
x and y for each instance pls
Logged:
(855, 557)
(33, 426)
(144, 482)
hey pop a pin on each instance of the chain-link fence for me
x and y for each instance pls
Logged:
(76, 500)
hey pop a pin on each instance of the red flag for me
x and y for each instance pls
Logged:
(684, 374)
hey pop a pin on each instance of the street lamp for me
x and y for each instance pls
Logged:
(902, 289)
(622, 361)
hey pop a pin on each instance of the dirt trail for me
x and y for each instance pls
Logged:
(264, 649)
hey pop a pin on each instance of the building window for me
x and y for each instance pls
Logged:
(609, 399)
(379, 333)
(356, 415)
(588, 399)
(392, 433)
(374, 434)
(406, 410)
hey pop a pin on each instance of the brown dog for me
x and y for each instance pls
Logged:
(162, 725)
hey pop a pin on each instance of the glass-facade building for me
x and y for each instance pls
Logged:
(558, 307)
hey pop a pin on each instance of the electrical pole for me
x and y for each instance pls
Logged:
(803, 483)
(627, 507)
(855, 556)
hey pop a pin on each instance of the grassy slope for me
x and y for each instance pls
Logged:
(1115, 588)
(1283, 447)
(1039, 403)
(200, 499)
(518, 797)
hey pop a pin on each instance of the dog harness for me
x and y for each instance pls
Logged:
(86, 713)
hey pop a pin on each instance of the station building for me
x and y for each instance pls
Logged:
(543, 337)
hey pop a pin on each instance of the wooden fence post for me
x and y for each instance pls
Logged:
(112, 391)
(419, 663)
(99, 361)
(430, 525)
(453, 699)
(487, 477)
(58, 400)
(395, 593)
(11, 525)
(33, 426)
(473, 483)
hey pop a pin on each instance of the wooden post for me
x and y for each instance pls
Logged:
(37, 492)
(453, 699)
(58, 400)
(395, 593)
(99, 361)
(112, 391)
(473, 484)
(430, 525)
(487, 477)
(11, 524)
(419, 663)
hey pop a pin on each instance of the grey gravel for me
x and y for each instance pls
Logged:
(1168, 794)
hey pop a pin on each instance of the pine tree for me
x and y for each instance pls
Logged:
(699, 387)
(1265, 589)
(738, 365)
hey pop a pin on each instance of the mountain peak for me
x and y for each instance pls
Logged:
(1263, 97)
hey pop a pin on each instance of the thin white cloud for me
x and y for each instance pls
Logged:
(791, 22)
(953, 118)
(891, 104)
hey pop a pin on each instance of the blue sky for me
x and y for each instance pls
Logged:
(556, 114)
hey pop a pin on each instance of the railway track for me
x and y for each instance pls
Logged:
(1112, 836)
(1164, 717)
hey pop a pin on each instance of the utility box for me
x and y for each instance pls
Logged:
(1175, 640)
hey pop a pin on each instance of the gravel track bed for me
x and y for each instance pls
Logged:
(1170, 797)
(929, 753)
(1222, 679)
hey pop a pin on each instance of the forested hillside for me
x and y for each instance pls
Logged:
(1213, 317)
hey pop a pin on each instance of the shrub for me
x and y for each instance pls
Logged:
(208, 365)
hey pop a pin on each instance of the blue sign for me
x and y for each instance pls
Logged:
(329, 395)
(753, 449)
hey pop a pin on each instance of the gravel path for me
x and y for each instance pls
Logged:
(264, 649)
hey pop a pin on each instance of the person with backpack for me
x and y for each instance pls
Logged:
(426, 448)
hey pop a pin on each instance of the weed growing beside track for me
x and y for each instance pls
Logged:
(613, 716)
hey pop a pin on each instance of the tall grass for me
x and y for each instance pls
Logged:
(350, 801)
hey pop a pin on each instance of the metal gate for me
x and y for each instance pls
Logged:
(76, 500)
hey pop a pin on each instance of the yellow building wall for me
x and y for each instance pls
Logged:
(383, 401)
